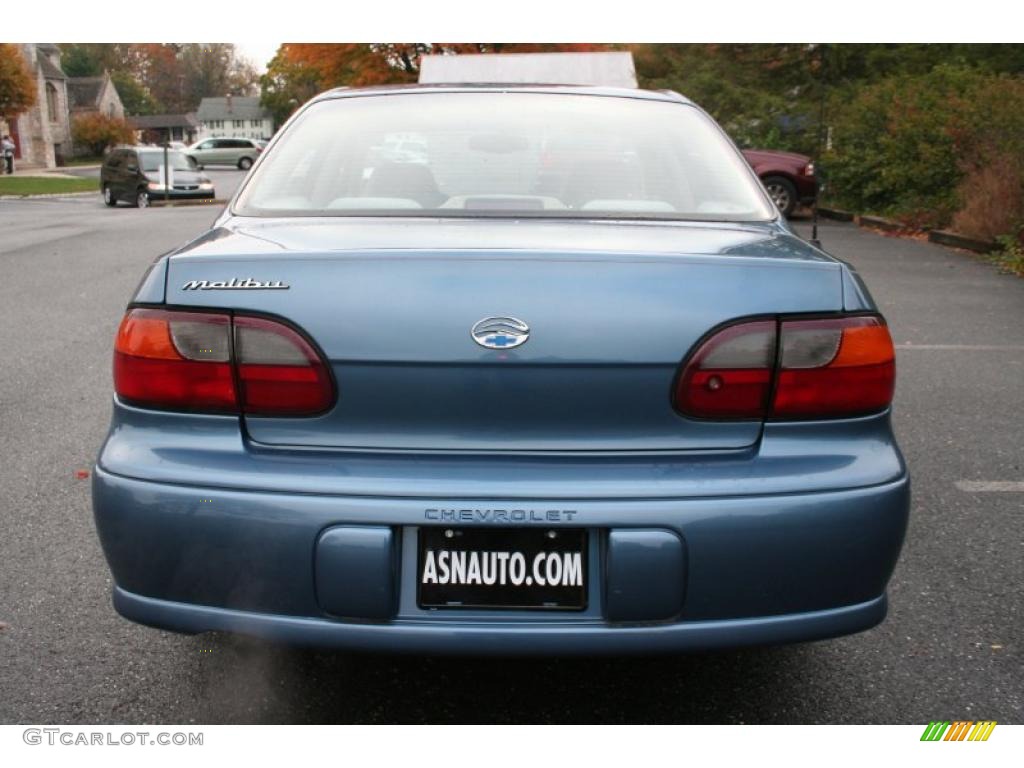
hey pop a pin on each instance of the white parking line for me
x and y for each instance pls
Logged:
(982, 347)
(990, 486)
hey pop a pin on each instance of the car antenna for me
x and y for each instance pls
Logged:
(821, 147)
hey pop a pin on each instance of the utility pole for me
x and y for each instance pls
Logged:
(822, 79)
(167, 174)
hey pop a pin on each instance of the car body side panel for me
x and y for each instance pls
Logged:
(153, 285)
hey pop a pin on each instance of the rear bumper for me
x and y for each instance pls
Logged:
(759, 569)
(490, 639)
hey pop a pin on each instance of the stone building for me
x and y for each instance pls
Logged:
(94, 95)
(43, 133)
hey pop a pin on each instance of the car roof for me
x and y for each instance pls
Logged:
(579, 90)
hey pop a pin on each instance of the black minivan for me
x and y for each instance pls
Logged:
(136, 174)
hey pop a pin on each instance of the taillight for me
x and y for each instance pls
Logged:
(730, 376)
(279, 372)
(189, 361)
(175, 360)
(790, 369)
(835, 367)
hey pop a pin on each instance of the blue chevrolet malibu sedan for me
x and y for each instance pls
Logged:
(510, 370)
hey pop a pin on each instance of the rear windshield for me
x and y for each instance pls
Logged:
(504, 154)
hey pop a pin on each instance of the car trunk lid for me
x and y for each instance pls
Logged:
(612, 310)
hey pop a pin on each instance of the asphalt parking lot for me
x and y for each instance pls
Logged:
(950, 649)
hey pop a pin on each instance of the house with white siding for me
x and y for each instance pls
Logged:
(234, 117)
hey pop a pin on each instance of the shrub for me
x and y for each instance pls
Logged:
(895, 145)
(991, 191)
(933, 149)
(98, 132)
(1010, 256)
(992, 198)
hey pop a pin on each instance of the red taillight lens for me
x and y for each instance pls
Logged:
(824, 368)
(730, 376)
(176, 360)
(280, 373)
(836, 367)
(186, 361)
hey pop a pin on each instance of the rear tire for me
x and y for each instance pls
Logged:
(108, 196)
(782, 192)
(245, 164)
(142, 199)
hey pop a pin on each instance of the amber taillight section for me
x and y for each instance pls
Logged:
(219, 363)
(790, 369)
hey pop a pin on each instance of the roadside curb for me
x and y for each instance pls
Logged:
(954, 240)
(877, 222)
(835, 214)
(944, 237)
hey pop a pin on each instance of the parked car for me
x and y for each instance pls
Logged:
(569, 385)
(135, 174)
(241, 153)
(789, 178)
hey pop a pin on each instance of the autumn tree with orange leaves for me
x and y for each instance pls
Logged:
(301, 70)
(17, 87)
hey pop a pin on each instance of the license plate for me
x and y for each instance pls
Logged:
(537, 568)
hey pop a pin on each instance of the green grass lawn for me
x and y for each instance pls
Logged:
(38, 185)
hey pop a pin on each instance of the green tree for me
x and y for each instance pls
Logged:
(136, 98)
(287, 85)
(763, 95)
(80, 60)
(927, 148)
(214, 69)
(125, 63)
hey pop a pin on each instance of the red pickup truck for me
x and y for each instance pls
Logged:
(788, 177)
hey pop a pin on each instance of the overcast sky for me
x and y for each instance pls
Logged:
(258, 53)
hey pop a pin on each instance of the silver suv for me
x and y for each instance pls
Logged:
(241, 153)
